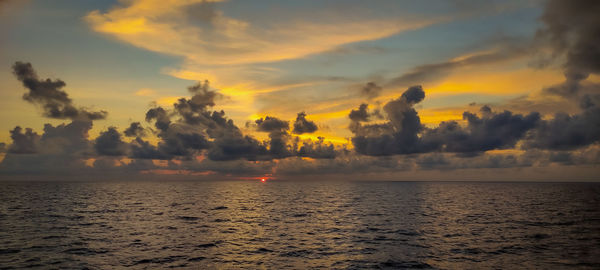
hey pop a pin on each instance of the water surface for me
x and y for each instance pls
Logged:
(299, 225)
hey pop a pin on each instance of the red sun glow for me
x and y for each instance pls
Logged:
(263, 180)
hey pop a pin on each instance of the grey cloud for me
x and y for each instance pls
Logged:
(318, 149)
(414, 94)
(272, 124)
(371, 90)
(302, 125)
(161, 117)
(236, 146)
(566, 132)
(141, 149)
(361, 114)
(61, 150)
(48, 94)
(68, 139)
(572, 28)
(488, 132)
(109, 143)
(135, 129)
(404, 134)
(398, 135)
(23, 142)
(425, 73)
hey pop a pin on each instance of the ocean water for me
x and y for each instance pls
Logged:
(299, 225)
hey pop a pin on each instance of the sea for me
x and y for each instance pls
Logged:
(299, 225)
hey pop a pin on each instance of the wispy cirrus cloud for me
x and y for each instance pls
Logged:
(199, 32)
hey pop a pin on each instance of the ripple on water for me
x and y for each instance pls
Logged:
(288, 225)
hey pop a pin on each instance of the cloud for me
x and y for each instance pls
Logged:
(135, 129)
(361, 114)
(487, 132)
(23, 142)
(67, 139)
(403, 133)
(396, 136)
(437, 71)
(109, 143)
(302, 125)
(371, 90)
(277, 134)
(317, 150)
(140, 149)
(272, 124)
(61, 149)
(567, 132)
(48, 94)
(203, 34)
(572, 28)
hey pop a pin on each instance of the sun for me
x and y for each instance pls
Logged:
(263, 180)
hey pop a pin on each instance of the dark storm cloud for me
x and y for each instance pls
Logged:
(48, 94)
(573, 30)
(109, 143)
(135, 129)
(302, 125)
(371, 90)
(23, 142)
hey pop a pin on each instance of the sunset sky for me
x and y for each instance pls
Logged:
(452, 90)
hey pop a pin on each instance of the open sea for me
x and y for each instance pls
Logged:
(299, 225)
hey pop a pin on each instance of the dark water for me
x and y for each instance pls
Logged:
(279, 225)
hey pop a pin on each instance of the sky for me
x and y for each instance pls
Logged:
(359, 90)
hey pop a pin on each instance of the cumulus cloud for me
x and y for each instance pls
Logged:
(403, 133)
(489, 131)
(48, 94)
(303, 125)
(396, 136)
(567, 132)
(318, 149)
(278, 135)
(109, 143)
(23, 142)
(135, 129)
